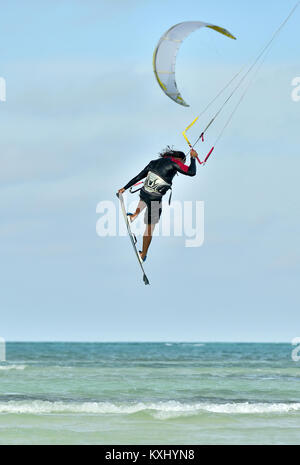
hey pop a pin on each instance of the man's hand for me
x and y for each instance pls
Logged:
(194, 154)
(121, 191)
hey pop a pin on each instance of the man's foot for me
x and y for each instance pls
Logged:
(142, 257)
(131, 217)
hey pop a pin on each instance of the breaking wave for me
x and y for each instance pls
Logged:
(159, 410)
(12, 367)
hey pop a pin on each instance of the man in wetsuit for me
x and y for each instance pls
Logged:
(159, 175)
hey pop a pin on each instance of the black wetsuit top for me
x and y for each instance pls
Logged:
(166, 168)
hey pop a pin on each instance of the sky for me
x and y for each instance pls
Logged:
(83, 115)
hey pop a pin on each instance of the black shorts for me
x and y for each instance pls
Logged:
(153, 209)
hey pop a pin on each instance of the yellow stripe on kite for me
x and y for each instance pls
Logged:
(221, 30)
(155, 72)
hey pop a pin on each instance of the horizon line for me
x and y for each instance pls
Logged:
(145, 342)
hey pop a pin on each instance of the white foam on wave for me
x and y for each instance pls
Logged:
(159, 410)
(176, 409)
(12, 367)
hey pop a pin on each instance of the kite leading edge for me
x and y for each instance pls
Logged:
(164, 57)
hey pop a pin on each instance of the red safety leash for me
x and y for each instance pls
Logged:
(209, 153)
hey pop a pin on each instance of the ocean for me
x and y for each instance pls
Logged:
(149, 393)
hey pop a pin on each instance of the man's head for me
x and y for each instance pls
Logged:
(168, 152)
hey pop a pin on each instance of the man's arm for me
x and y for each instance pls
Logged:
(138, 178)
(190, 171)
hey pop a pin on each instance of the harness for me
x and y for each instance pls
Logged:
(154, 184)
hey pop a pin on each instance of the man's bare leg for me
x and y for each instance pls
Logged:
(147, 239)
(141, 206)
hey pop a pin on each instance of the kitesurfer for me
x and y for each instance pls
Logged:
(159, 175)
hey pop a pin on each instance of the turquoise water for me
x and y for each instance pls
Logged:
(159, 393)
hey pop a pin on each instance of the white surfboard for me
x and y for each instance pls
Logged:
(132, 238)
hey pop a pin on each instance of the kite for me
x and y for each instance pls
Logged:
(164, 57)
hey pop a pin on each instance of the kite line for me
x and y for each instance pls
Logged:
(259, 60)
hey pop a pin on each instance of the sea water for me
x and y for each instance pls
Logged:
(149, 393)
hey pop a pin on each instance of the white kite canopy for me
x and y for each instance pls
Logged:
(164, 57)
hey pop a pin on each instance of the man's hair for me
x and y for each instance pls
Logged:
(168, 152)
